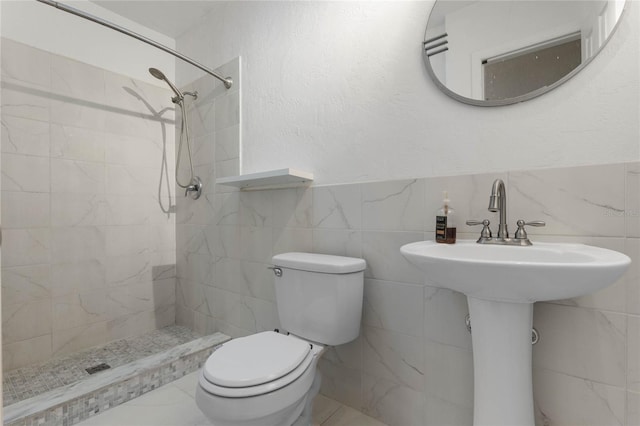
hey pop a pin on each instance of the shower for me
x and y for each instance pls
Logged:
(194, 187)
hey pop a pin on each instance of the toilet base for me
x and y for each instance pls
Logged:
(306, 418)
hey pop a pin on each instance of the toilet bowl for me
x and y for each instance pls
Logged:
(273, 392)
(270, 378)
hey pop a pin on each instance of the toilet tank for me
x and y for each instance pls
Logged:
(319, 296)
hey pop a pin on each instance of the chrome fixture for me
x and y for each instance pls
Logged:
(194, 187)
(498, 203)
(277, 271)
(228, 81)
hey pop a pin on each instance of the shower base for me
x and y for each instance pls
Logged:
(62, 393)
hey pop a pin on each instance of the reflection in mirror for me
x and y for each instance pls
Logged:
(488, 52)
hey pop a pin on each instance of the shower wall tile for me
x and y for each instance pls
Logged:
(24, 136)
(130, 209)
(203, 149)
(77, 177)
(149, 101)
(227, 143)
(23, 64)
(26, 246)
(202, 117)
(67, 341)
(227, 168)
(26, 284)
(197, 212)
(226, 112)
(26, 320)
(77, 81)
(26, 352)
(26, 100)
(75, 310)
(89, 226)
(128, 240)
(76, 143)
(77, 113)
(22, 173)
(128, 270)
(25, 209)
(77, 244)
(72, 209)
(77, 277)
(136, 151)
(207, 174)
(138, 323)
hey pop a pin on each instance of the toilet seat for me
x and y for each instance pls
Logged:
(255, 365)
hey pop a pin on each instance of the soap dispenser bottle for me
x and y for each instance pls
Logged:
(445, 222)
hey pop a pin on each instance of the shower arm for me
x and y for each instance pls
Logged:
(228, 81)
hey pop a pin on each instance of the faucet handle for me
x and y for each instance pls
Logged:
(521, 234)
(486, 231)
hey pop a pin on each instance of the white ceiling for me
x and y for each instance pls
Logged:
(171, 18)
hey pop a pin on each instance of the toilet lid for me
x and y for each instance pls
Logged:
(255, 359)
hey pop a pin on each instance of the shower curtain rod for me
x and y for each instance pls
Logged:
(228, 81)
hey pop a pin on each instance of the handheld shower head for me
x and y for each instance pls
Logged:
(160, 76)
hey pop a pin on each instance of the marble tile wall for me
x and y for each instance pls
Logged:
(412, 363)
(214, 119)
(88, 223)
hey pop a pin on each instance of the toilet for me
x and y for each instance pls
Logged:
(271, 378)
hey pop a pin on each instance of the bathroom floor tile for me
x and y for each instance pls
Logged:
(165, 406)
(174, 405)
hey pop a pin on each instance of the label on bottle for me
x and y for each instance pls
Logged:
(441, 228)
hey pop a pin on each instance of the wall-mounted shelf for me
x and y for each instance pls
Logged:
(282, 178)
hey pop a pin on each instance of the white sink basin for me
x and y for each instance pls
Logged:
(501, 284)
(544, 271)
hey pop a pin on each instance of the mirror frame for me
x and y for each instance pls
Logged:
(521, 98)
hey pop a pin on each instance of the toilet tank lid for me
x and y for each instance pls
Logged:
(314, 262)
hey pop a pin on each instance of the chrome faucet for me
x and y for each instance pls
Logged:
(498, 203)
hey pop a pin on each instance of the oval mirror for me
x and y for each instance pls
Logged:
(490, 53)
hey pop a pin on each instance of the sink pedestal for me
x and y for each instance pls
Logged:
(501, 338)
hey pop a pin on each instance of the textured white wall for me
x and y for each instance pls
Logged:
(58, 32)
(340, 89)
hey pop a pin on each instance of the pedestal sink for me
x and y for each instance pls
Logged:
(501, 284)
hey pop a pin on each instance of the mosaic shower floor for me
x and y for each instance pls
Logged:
(27, 382)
